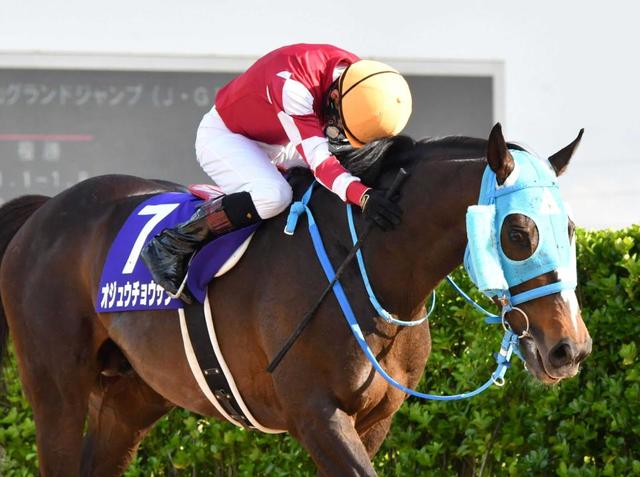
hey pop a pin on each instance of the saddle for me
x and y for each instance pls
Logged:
(126, 284)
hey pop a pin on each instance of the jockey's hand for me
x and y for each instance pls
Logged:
(384, 212)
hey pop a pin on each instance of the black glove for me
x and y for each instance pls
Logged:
(382, 211)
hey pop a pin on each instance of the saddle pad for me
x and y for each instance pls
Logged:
(126, 283)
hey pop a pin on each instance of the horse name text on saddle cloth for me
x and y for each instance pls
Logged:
(126, 283)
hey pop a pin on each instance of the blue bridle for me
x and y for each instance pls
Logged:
(484, 256)
(508, 345)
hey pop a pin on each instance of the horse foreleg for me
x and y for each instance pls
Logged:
(120, 415)
(373, 437)
(330, 437)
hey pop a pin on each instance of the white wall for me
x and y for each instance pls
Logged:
(568, 63)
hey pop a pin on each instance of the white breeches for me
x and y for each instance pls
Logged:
(239, 164)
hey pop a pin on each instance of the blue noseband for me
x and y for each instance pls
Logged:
(531, 190)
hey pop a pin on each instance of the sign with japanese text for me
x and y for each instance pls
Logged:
(60, 127)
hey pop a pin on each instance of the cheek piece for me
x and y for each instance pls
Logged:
(531, 190)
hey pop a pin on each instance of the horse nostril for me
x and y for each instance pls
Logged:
(561, 355)
(584, 351)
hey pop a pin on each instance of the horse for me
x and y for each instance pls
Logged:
(118, 373)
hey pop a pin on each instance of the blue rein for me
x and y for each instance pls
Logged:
(508, 346)
(384, 314)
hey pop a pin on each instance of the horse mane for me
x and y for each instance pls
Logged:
(372, 156)
(371, 160)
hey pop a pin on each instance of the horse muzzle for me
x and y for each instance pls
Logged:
(559, 362)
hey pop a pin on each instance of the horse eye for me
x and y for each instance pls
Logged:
(517, 236)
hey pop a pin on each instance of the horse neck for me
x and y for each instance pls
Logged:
(407, 264)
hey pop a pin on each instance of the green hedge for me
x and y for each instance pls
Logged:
(587, 426)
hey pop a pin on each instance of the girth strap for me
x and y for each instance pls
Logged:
(209, 364)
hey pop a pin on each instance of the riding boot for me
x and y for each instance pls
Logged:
(168, 254)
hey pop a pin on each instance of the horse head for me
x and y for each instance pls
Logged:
(499, 207)
(535, 239)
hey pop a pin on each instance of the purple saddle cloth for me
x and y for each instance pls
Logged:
(126, 283)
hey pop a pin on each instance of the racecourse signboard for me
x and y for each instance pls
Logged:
(60, 126)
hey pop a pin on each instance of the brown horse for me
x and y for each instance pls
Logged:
(123, 371)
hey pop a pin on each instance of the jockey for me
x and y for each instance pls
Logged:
(282, 112)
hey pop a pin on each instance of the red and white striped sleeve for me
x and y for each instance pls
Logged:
(294, 105)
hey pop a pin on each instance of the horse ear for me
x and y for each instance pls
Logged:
(498, 155)
(560, 160)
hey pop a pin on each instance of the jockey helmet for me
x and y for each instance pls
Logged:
(375, 101)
